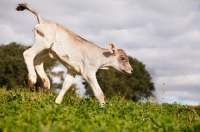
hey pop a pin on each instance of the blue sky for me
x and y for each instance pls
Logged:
(164, 35)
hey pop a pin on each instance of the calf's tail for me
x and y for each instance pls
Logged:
(24, 6)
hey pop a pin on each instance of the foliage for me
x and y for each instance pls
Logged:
(136, 86)
(22, 110)
(13, 69)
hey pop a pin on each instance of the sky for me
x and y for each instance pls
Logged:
(162, 34)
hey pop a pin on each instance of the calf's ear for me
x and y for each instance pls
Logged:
(112, 48)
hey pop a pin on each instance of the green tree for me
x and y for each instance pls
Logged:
(12, 67)
(136, 86)
(13, 70)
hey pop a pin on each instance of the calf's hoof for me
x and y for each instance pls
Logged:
(47, 91)
(102, 104)
(31, 84)
(58, 101)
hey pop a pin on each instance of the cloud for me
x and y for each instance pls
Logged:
(164, 35)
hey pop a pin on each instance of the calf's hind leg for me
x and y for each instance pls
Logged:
(38, 63)
(29, 56)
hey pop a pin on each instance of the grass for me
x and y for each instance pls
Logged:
(24, 111)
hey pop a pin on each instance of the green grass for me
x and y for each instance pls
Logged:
(24, 111)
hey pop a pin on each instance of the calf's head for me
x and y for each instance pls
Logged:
(120, 61)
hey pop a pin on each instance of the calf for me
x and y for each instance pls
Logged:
(77, 54)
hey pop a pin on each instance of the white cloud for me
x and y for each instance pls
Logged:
(9, 35)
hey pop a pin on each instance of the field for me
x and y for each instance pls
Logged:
(24, 111)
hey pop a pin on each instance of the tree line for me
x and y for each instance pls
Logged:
(13, 72)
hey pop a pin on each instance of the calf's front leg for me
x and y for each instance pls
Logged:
(66, 85)
(90, 77)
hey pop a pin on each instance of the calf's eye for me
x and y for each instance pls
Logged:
(122, 58)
